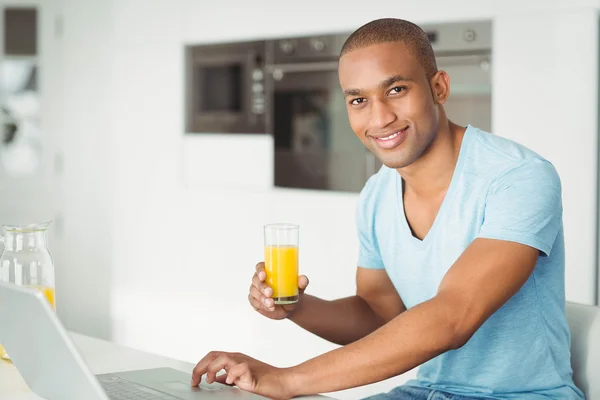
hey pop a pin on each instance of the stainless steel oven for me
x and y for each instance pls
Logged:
(226, 88)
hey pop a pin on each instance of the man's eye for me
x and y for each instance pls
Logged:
(358, 101)
(398, 89)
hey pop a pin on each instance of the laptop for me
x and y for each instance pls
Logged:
(46, 358)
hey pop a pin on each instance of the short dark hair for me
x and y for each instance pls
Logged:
(394, 30)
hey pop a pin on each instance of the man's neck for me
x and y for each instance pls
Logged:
(431, 174)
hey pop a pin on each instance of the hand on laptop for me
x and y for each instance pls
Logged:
(260, 295)
(244, 372)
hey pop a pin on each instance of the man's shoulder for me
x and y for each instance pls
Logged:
(379, 191)
(493, 157)
(377, 183)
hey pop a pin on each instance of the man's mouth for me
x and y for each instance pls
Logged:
(392, 140)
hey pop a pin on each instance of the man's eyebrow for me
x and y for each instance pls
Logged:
(382, 85)
(393, 79)
(353, 92)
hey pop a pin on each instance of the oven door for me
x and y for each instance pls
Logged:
(315, 147)
(227, 92)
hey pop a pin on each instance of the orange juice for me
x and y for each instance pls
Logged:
(49, 293)
(281, 265)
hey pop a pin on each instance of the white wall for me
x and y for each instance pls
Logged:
(165, 259)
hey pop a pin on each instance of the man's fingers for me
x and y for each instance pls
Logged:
(258, 306)
(238, 371)
(200, 368)
(261, 286)
(253, 302)
(218, 364)
(239, 374)
(267, 302)
(260, 270)
(222, 379)
(302, 282)
(225, 361)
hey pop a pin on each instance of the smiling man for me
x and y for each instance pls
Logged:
(461, 262)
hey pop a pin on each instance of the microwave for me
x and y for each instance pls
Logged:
(225, 88)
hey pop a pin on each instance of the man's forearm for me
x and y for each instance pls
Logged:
(339, 321)
(409, 340)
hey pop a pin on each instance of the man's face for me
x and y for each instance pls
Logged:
(389, 102)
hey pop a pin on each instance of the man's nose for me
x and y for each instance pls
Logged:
(381, 115)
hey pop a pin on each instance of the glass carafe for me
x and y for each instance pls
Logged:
(26, 260)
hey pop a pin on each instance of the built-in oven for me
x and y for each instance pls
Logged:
(315, 147)
(225, 88)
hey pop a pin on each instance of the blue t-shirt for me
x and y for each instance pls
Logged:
(499, 190)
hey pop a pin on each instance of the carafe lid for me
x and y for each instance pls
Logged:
(28, 228)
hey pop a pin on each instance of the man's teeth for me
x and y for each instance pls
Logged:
(393, 135)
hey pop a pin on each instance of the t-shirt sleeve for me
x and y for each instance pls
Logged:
(524, 205)
(368, 253)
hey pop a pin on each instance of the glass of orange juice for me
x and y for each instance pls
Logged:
(281, 261)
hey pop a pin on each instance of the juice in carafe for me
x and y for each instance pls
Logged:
(49, 293)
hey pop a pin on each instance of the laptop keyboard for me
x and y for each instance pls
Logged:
(121, 389)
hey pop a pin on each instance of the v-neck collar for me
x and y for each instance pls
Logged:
(447, 198)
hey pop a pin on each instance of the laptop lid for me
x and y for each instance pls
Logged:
(40, 347)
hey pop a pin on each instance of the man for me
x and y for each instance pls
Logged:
(461, 263)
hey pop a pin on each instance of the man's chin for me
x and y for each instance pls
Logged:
(394, 163)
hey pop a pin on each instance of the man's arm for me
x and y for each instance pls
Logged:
(376, 301)
(485, 276)
(523, 216)
(347, 320)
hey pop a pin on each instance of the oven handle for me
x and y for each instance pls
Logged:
(302, 67)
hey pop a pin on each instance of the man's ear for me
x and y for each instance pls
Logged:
(440, 87)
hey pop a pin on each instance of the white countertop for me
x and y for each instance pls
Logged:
(101, 356)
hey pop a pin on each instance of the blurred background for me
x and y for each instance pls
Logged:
(160, 136)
